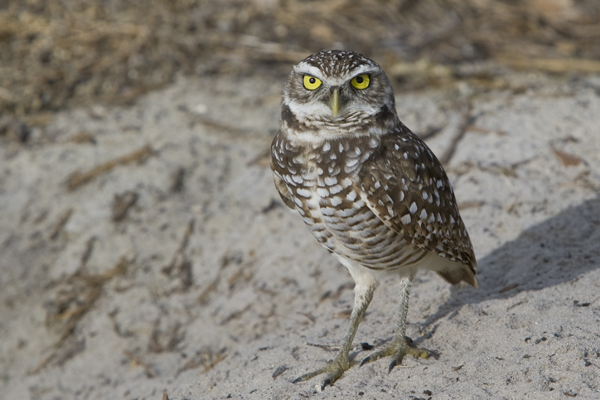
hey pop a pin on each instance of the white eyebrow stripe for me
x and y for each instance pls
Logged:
(363, 69)
(307, 69)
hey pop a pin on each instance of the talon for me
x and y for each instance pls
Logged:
(397, 349)
(392, 365)
(333, 370)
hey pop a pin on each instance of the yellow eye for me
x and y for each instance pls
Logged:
(361, 81)
(311, 83)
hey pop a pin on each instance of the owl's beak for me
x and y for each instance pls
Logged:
(335, 102)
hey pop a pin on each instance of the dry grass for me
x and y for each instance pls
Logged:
(61, 53)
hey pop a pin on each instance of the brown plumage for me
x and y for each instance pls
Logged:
(369, 189)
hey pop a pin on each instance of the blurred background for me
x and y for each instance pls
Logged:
(62, 53)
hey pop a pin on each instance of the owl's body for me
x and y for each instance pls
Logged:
(370, 190)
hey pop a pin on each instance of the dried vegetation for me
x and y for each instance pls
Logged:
(61, 53)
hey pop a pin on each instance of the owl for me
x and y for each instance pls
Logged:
(369, 190)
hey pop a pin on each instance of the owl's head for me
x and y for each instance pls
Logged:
(337, 92)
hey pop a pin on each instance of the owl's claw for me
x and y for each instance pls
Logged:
(334, 371)
(397, 349)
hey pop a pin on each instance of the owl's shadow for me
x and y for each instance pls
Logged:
(556, 251)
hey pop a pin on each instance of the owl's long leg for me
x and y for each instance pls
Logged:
(400, 345)
(335, 369)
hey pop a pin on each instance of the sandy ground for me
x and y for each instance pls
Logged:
(168, 264)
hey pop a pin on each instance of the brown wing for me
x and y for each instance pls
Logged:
(407, 188)
(284, 192)
(278, 164)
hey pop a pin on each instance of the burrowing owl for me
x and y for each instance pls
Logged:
(368, 188)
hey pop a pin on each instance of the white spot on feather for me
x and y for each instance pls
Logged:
(304, 193)
(327, 211)
(297, 178)
(346, 182)
(413, 208)
(351, 162)
(336, 201)
(322, 192)
(330, 180)
(335, 189)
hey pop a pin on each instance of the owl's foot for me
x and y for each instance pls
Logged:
(397, 349)
(333, 371)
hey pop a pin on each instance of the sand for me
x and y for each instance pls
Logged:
(168, 263)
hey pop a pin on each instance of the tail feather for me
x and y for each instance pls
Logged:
(456, 275)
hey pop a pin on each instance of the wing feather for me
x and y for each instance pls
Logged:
(407, 188)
